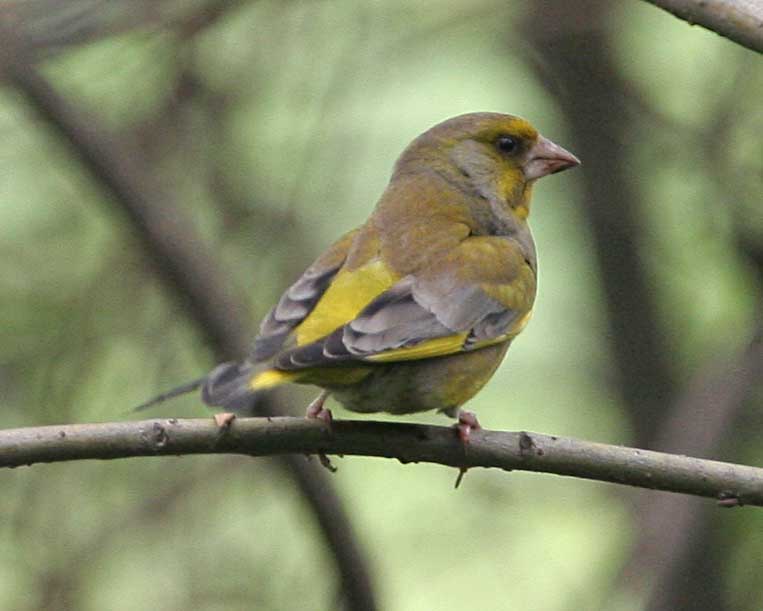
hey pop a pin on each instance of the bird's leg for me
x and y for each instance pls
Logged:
(316, 409)
(467, 422)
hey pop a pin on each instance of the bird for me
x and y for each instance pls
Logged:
(415, 309)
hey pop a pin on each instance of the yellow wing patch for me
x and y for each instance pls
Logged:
(439, 346)
(443, 346)
(349, 293)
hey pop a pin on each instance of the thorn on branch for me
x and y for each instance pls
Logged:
(461, 472)
(224, 421)
(326, 462)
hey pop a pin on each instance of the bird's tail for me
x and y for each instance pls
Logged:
(229, 385)
(171, 394)
(232, 386)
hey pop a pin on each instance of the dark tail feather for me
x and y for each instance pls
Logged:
(227, 386)
(171, 394)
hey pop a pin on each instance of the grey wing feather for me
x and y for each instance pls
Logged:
(492, 325)
(395, 319)
(408, 313)
(459, 308)
(295, 304)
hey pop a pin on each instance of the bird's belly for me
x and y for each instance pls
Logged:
(442, 383)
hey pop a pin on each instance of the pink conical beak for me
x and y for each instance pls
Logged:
(546, 158)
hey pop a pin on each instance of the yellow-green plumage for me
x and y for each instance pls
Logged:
(348, 294)
(415, 309)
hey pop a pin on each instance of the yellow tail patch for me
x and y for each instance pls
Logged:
(270, 378)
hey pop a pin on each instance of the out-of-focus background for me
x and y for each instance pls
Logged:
(272, 126)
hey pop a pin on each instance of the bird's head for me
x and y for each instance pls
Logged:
(496, 156)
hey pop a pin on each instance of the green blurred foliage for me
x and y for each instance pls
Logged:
(275, 127)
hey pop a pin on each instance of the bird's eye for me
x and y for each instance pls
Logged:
(507, 144)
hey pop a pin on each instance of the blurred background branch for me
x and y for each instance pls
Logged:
(737, 20)
(670, 558)
(190, 273)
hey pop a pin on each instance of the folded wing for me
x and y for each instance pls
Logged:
(480, 294)
(299, 300)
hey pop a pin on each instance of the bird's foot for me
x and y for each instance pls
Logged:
(223, 420)
(316, 409)
(467, 422)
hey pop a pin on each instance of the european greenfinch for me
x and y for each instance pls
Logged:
(414, 310)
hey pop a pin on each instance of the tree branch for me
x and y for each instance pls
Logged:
(737, 20)
(729, 483)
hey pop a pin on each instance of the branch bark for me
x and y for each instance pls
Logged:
(737, 20)
(731, 484)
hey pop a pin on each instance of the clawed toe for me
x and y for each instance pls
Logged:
(316, 409)
(467, 422)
